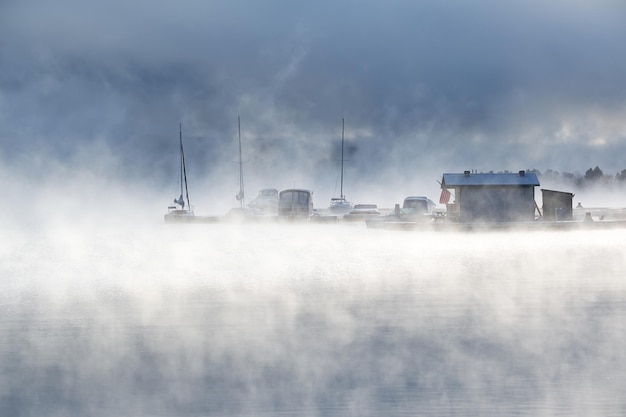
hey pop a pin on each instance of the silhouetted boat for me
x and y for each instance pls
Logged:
(266, 202)
(339, 205)
(362, 212)
(295, 204)
(415, 209)
(181, 212)
(261, 209)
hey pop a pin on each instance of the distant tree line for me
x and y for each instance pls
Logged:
(593, 177)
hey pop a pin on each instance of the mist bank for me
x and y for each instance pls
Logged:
(304, 319)
(41, 189)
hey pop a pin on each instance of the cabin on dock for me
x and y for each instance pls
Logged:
(557, 205)
(490, 197)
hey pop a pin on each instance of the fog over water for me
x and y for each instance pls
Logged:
(115, 316)
(107, 311)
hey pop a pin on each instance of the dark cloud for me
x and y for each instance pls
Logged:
(445, 86)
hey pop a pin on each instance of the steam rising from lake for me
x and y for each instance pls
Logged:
(309, 320)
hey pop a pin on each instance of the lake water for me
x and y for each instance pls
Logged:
(310, 320)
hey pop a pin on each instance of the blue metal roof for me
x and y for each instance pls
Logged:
(467, 178)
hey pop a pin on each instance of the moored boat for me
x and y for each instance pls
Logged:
(181, 212)
(415, 209)
(339, 205)
(266, 202)
(362, 212)
(295, 204)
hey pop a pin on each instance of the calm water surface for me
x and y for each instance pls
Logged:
(310, 320)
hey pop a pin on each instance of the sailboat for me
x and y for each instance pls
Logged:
(179, 213)
(240, 213)
(339, 205)
(263, 208)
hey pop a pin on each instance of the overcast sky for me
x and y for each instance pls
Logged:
(425, 87)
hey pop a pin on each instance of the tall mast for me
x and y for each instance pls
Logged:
(342, 128)
(180, 156)
(240, 196)
(183, 172)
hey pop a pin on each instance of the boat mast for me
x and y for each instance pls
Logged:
(342, 129)
(183, 170)
(181, 163)
(240, 196)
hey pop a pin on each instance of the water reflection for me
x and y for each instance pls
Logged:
(318, 320)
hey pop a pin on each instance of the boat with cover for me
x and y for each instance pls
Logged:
(179, 213)
(295, 204)
(415, 209)
(266, 202)
(362, 212)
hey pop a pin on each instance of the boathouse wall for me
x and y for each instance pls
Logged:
(496, 203)
(493, 197)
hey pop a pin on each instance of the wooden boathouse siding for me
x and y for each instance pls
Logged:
(492, 197)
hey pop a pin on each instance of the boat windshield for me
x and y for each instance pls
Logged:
(268, 193)
(420, 205)
(295, 196)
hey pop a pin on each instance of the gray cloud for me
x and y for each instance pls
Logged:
(440, 86)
